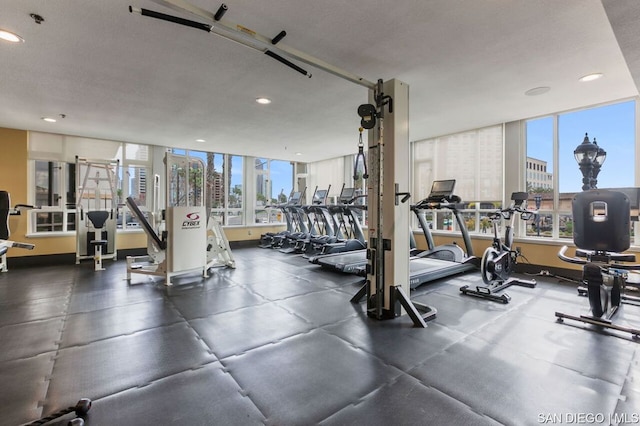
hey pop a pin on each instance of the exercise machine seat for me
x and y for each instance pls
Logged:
(99, 243)
(98, 218)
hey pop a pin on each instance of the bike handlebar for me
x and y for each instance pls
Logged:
(506, 213)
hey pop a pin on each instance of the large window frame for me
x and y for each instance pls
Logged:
(481, 191)
(267, 196)
(51, 183)
(52, 180)
(225, 196)
(54, 193)
(136, 164)
(554, 221)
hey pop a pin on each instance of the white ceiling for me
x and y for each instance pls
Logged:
(122, 76)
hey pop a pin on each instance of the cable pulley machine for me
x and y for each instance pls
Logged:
(388, 269)
(385, 296)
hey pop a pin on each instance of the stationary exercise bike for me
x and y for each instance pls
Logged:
(499, 260)
(601, 231)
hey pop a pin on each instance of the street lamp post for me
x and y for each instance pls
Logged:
(538, 199)
(597, 164)
(590, 158)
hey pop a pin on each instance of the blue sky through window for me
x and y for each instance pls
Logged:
(613, 126)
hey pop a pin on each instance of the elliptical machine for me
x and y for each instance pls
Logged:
(499, 260)
(601, 224)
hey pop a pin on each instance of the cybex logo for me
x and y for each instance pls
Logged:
(192, 221)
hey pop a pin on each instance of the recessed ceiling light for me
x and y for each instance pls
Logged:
(263, 101)
(298, 153)
(49, 119)
(9, 36)
(591, 77)
(537, 91)
(200, 140)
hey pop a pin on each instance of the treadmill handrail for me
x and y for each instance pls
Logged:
(452, 203)
(435, 204)
(162, 245)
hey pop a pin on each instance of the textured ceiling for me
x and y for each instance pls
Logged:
(126, 77)
(624, 16)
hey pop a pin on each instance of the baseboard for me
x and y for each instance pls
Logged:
(62, 258)
(70, 258)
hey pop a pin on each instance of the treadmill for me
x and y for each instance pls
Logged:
(349, 262)
(448, 259)
(353, 262)
(349, 256)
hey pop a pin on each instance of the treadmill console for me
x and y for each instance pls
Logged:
(346, 195)
(441, 195)
(295, 198)
(442, 189)
(320, 197)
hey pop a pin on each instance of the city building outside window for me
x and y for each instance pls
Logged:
(274, 184)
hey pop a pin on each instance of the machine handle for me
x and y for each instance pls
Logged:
(576, 260)
(614, 256)
(405, 195)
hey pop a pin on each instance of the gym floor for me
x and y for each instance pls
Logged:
(276, 341)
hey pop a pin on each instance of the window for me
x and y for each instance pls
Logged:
(186, 180)
(235, 176)
(330, 173)
(474, 160)
(53, 180)
(55, 195)
(134, 184)
(613, 129)
(539, 136)
(274, 183)
(281, 183)
(263, 191)
(224, 187)
(135, 181)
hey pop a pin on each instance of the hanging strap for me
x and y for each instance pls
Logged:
(360, 155)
